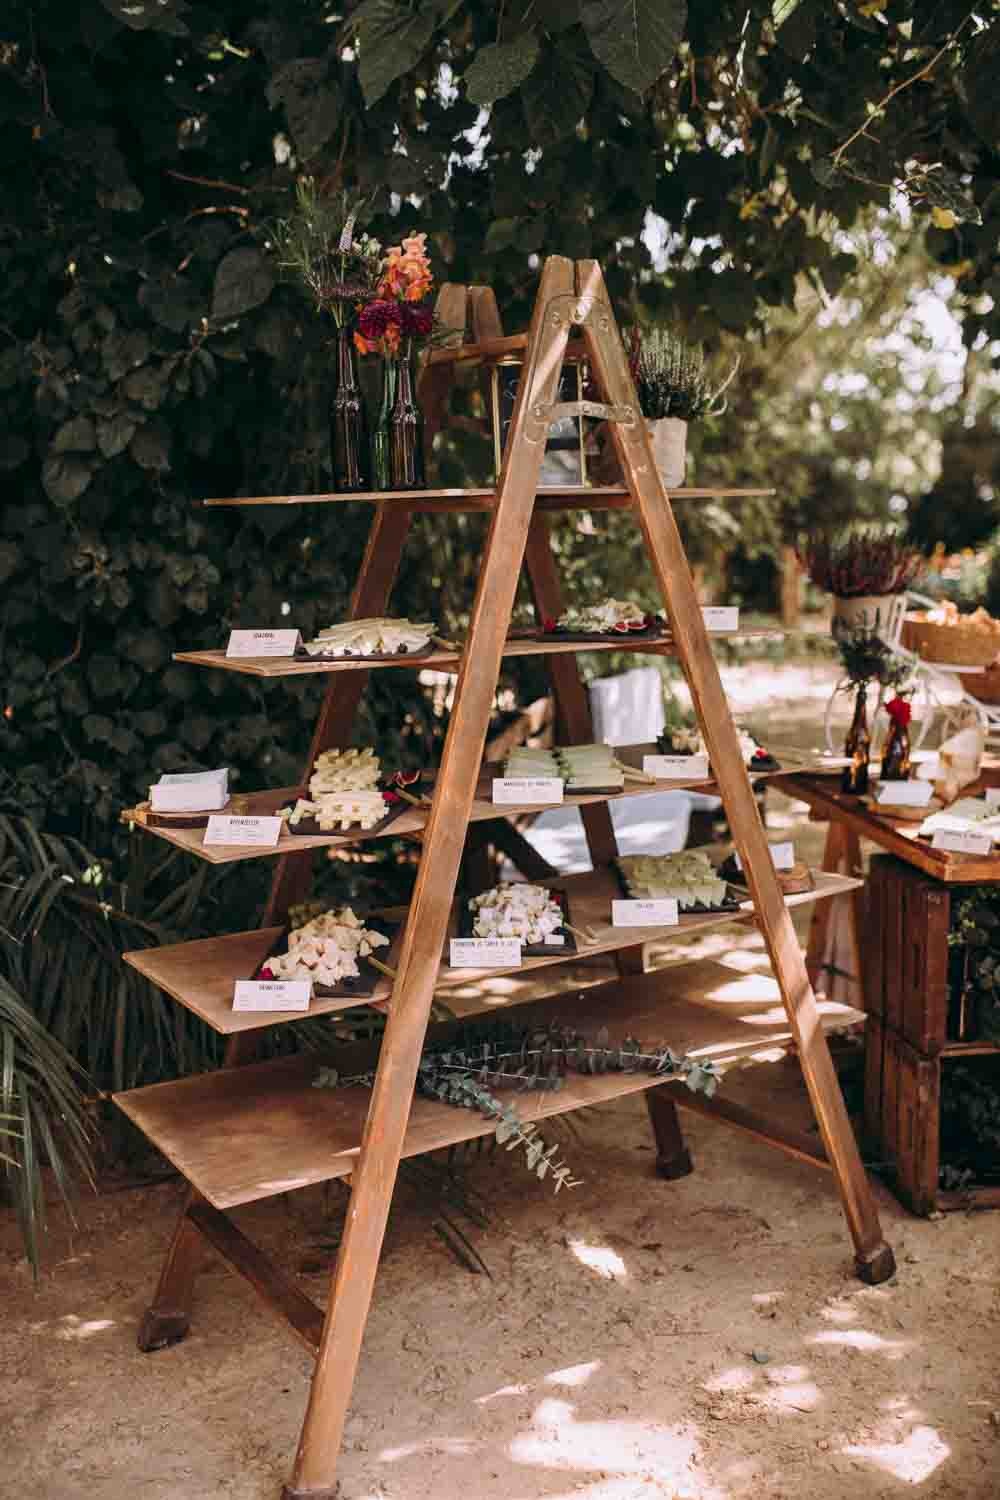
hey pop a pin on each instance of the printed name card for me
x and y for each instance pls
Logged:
(782, 854)
(660, 913)
(262, 833)
(485, 953)
(527, 789)
(903, 793)
(272, 994)
(670, 767)
(962, 842)
(721, 617)
(262, 643)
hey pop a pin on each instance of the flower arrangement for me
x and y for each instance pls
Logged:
(863, 561)
(398, 311)
(865, 658)
(672, 378)
(317, 246)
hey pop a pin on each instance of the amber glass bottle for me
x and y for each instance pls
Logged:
(858, 746)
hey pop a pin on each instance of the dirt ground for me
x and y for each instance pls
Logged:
(639, 1340)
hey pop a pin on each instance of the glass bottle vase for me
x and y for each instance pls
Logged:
(348, 438)
(407, 433)
(858, 746)
(382, 434)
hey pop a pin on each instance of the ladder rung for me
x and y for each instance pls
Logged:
(561, 409)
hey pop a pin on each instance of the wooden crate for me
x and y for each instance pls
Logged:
(903, 1114)
(905, 953)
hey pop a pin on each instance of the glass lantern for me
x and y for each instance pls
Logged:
(565, 463)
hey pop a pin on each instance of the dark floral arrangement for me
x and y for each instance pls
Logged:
(866, 658)
(865, 560)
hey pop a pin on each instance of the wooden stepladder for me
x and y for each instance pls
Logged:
(572, 303)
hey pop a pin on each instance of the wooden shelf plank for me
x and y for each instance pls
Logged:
(247, 1133)
(449, 661)
(201, 975)
(265, 804)
(483, 498)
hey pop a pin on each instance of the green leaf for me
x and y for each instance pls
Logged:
(557, 94)
(795, 21)
(244, 279)
(311, 100)
(636, 40)
(979, 77)
(13, 450)
(391, 40)
(501, 67)
(149, 15)
(501, 235)
(150, 447)
(115, 434)
(75, 436)
(64, 478)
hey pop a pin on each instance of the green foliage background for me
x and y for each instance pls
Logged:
(148, 357)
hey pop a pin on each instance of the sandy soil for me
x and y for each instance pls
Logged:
(640, 1340)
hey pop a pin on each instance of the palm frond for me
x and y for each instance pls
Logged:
(43, 1116)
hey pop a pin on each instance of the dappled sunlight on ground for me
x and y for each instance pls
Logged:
(702, 1339)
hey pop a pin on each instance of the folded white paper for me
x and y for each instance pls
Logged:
(190, 791)
(903, 793)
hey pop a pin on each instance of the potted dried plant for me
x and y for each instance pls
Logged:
(867, 570)
(675, 386)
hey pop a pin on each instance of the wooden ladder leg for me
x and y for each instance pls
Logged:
(168, 1318)
(293, 876)
(673, 1159)
(430, 908)
(874, 1258)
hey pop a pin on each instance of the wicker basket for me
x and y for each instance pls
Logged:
(984, 685)
(950, 644)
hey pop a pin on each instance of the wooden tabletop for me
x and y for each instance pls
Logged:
(821, 790)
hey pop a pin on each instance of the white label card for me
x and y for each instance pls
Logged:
(527, 789)
(962, 843)
(262, 642)
(992, 795)
(272, 994)
(661, 913)
(782, 854)
(721, 617)
(903, 793)
(672, 767)
(261, 832)
(485, 953)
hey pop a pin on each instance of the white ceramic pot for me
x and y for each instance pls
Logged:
(881, 614)
(669, 439)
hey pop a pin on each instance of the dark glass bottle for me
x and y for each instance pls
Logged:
(407, 433)
(348, 440)
(858, 746)
(382, 435)
(896, 754)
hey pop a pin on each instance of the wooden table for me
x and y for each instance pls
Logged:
(886, 948)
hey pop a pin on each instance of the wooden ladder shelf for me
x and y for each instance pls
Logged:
(257, 1129)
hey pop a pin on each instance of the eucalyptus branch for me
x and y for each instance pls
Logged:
(465, 1076)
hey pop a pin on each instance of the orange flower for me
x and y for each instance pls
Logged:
(363, 346)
